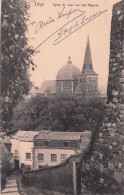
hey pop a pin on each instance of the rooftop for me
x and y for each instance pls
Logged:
(88, 67)
(68, 72)
(5, 139)
(49, 85)
(50, 135)
(25, 135)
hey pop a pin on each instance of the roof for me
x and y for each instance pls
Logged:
(48, 85)
(88, 67)
(5, 153)
(87, 58)
(7, 140)
(25, 135)
(68, 72)
(65, 136)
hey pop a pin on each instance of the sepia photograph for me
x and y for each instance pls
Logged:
(62, 97)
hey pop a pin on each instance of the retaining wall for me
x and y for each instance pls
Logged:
(107, 159)
(57, 178)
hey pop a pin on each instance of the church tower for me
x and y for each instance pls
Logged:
(88, 79)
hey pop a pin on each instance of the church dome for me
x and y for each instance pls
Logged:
(68, 72)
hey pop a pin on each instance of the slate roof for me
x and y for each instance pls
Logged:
(66, 136)
(68, 72)
(49, 85)
(25, 135)
(88, 67)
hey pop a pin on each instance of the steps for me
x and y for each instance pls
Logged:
(10, 188)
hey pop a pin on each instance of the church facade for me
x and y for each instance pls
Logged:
(70, 80)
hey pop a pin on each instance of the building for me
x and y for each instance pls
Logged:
(48, 88)
(22, 146)
(67, 78)
(88, 79)
(52, 148)
(70, 80)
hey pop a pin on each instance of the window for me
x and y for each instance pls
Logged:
(67, 85)
(28, 155)
(66, 144)
(16, 153)
(53, 157)
(46, 143)
(63, 157)
(40, 156)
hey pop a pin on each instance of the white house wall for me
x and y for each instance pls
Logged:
(26, 147)
(47, 156)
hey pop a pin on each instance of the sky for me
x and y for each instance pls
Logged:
(54, 46)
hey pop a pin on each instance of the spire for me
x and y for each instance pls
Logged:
(87, 67)
(69, 60)
(87, 59)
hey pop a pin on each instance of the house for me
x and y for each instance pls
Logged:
(22, 146)
(52, 148)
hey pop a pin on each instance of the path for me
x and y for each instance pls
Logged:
(14, 186)
(14, 183)
(10, 188)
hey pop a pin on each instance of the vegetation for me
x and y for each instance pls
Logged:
(63, 113)
(6, 165)
(99, 183)
(15, 58)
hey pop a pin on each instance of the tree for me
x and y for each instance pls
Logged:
(15, 57)
(64, 113)
(31, 114)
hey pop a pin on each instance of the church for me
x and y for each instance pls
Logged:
(70, 80)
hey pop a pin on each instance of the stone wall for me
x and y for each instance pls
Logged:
(116, 62)
(56, 178)
(107, 158)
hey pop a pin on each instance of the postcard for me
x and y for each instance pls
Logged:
(55, 140)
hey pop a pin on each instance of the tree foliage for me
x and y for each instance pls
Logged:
(65, 113)
(15, 57)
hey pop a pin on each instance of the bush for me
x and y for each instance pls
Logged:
(3, 181)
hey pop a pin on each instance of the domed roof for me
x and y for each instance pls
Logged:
(68, 72)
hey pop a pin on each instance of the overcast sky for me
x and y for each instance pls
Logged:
(52, 57)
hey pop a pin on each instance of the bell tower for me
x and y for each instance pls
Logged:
(88, 80)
